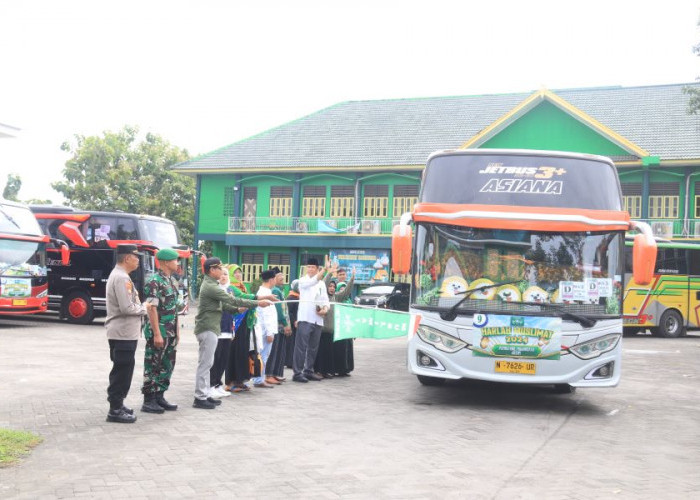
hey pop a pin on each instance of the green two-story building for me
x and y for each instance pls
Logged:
(337, 181)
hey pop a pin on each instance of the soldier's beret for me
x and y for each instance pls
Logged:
(166, 254)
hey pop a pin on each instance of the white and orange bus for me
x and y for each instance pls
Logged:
(23, 281)
(518, 266)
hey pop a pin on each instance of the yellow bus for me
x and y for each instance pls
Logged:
(670, 304)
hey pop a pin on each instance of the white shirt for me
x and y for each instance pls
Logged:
(267, 319)
(312, 292)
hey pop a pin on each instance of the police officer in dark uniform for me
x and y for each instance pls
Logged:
(161, 333)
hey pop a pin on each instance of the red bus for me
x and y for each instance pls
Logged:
(23, 274)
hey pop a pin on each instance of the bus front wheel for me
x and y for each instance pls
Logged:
(671, 324)
(431, 381)
(78, 308)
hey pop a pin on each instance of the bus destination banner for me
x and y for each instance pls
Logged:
(528, 337)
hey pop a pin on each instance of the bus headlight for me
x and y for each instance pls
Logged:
(596, 347)
(440, 340)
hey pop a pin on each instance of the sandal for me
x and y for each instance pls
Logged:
(240, 388)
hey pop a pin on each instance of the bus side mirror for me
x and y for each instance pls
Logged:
(65, 255)
(401, 239)
(202, 258)
(643, 259)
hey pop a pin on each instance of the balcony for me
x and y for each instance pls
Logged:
(308, 225)
(674, 228)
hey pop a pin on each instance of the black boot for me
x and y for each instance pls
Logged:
(150, 405)
(163, 403)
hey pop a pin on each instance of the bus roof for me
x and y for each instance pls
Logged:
(62, 209)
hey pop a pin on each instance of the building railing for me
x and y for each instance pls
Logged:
(674, 228)
(309, 225)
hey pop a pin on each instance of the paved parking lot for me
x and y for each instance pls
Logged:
(376, 434)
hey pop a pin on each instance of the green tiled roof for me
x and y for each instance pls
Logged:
(405, 131)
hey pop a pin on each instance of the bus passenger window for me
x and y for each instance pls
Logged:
(126, 229)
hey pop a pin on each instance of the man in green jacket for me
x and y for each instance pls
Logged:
(207, 326)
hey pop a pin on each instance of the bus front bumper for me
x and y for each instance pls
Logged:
(29, 305)
(426, 360)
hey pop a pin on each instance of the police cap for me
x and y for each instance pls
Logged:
(128, 249)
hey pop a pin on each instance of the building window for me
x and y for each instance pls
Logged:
(252, 266)
(633, 204)
(280, 201)
(663, 200)
(228, 201)
(314, 201)
(697, 207)
(342, 201)
(405, 196)
(376, 201)
(663, 207)
(280, 260)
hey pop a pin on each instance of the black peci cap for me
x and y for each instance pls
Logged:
(128, 249)
(268, 275)
(211, 262)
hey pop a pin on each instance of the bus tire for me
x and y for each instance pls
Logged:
(78, 308)
(671, 324)
(563, 389)
(430, 381)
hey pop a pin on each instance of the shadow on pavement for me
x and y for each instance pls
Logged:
(476, 394)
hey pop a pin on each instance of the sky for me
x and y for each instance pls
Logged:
(205, 74)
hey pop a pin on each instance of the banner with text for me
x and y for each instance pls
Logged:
(355, 322)
(371, 266)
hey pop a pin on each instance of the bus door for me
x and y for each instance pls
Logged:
(693, 288)
(672, 290)
(146, 268)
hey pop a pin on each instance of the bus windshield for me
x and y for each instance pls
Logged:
(536, 273)
(18, 220)
(161, 233)
(21, 258)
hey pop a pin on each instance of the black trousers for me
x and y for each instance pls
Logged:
(121, 352)
(223, 350)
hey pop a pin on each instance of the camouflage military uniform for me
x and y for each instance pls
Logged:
(158, 364)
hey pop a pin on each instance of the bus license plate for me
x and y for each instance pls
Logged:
(17, 302)
(515, 367)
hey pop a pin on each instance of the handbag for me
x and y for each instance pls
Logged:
(254, 359)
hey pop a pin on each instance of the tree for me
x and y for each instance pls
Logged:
(14, 184)
(115, 172)
(693, 92)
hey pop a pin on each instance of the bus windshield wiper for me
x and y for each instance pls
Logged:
(581, 320)
(451, 313)
(9, 217)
